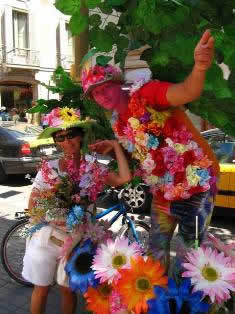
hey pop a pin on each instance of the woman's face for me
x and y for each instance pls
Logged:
(69, 140)
(107, 95)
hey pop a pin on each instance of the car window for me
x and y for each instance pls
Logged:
(225, 151)
(18, 134)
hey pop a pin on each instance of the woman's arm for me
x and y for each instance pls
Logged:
(32, 198)
(124, 173)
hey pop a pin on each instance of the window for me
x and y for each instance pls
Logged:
(20, 30)
(69, 40)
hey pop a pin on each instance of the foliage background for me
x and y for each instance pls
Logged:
(172, 28)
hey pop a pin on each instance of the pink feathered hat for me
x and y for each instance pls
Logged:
(97, 75)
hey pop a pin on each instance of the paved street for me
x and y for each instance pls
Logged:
(14, 298)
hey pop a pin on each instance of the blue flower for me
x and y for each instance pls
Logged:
(74, 216)
(114, 117)
(181, 295)
(35, 228)
(204, 176)
(168, 178)
(130, 147)
(78, 268)
(152, 142)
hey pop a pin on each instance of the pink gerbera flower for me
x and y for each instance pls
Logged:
(116, 303)
(210, 272)
(112, 257)
(228, 249)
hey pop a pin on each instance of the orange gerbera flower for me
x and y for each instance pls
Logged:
(98, 299)
(136, 284)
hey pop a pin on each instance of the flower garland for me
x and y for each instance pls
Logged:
(66, 200)
(170, 160)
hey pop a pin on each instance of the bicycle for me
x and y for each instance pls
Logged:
(14, 243)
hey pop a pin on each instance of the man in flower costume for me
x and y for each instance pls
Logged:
(174, 160)
(59, 205)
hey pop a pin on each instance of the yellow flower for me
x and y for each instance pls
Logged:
(192, 177)
(151, 179)
(159, 117)
(141, 138)
(136, 284)
(139, 153)
(180, 148)
(134, 123)
(68, 115)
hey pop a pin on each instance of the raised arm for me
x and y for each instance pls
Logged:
(124, 174)
(192, 87)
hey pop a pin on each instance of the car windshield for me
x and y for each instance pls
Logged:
(18, 134)
(225, 152)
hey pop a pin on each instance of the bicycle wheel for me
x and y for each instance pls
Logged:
(142, 230)
(13, 250)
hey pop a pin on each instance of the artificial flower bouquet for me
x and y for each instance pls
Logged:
(115, 277)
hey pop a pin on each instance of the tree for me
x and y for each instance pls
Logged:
(172, 29)
(71, 96)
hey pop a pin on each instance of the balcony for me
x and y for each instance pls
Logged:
(19, 57)
(66, 61)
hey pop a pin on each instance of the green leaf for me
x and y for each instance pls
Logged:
(120, 56)
(115, 2)
(78, 23)
(160, 58)
(89, 55)
(112, 29)
(216, 83)
(101, 40)
(92, 4)
(105, 8)
(44, 106)
(95, 20)
(68, 7)
(230, 30)
(122, 42)
(103, 60)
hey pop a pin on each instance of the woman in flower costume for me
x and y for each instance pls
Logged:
(61, 199)
(174, 160)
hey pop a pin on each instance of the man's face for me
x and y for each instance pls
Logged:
(107, 95)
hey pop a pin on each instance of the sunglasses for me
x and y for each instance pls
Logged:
(69, 136)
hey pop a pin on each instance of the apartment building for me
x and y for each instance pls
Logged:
(34, 40)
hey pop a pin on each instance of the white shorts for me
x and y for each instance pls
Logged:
(41, 264)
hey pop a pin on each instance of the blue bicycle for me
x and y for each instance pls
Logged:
(14, 243)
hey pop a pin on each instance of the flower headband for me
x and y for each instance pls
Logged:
(99, 74)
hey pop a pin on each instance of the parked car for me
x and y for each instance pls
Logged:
(224, 148)
(21, 152)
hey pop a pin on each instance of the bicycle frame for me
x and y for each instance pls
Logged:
(122, 211)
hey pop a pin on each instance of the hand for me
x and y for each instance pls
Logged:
(204, 52)
(103, 147)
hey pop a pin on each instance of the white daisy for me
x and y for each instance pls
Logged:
(112, 257)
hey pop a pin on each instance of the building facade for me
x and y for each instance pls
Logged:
(34, 40)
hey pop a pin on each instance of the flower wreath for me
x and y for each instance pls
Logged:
(69, 195)
(170, 161)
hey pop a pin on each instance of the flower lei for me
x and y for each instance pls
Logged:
(170, 161)
(69, 194)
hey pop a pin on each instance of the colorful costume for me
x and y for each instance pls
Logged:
(62, 210)
(64, 200)
(174, 160)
